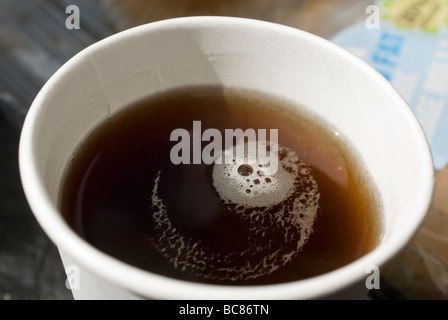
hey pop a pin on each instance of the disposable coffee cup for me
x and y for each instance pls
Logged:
(229, 52)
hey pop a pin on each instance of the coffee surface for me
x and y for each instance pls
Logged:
(228, 223)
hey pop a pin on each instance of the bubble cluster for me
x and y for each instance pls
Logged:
(249, 185)
(277, 212)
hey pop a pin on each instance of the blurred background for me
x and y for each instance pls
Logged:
(35, 42)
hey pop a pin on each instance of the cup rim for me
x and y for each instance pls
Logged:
(152, 285)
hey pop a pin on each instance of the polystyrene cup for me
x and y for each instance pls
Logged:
(229, 52)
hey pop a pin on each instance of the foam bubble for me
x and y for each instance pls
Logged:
(278, 214)
(253, 188)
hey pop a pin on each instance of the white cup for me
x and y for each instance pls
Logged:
(276, 59)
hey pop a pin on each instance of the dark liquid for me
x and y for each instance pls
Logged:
(123, 194)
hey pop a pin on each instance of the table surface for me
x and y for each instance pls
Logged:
(34, 43)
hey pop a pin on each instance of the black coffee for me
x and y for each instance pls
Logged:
(227, 223)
